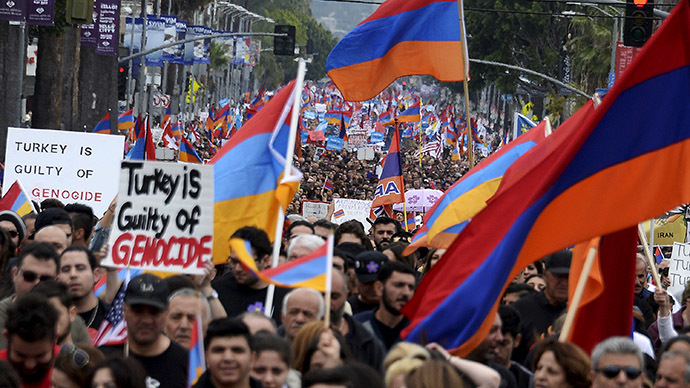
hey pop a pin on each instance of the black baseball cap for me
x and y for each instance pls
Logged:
(558, 263)
(368, 264)
(147, 289)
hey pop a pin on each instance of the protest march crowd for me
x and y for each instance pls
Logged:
(71, 322)
(474, 295)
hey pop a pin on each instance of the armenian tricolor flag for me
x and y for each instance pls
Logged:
(308, 271)
(390, 188)
(187, 153)
(197, 358)
(569, 189)
(125, 121)
(248, 173)
(103, 126)
(15, 199)
(402, 37)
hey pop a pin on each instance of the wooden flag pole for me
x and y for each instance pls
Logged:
(648, 255)
(577, 297)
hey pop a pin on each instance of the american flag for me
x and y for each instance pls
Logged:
(434, 146)
(113, 330)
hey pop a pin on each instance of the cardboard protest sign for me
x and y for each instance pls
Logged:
(345, 209)
(667, 229)
(314, 208)
(679, 270)
(164, 217)
(69, 166)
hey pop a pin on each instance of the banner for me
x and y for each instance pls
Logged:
(12, 10)
(69, 166)
(155, 35)
(376, 137)
(169, 36)
(40, 12)
(107, 27)
(88, 33)
(334, 143)
(679, 270)
(345, 209)
(315, 208)
(181, 29)
(190, 47)
(357, 137)
(132, 40)
(164, 218)
(667, 229)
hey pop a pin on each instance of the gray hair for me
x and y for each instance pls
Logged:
(319, 297)
(186, 291)
(257, 314)
(670, 354)
(310, 241)
(617, 345)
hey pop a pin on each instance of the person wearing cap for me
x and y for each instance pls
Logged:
(11, 223)
(145, 311)
(539, 310)
(395, 286)
(367, 267)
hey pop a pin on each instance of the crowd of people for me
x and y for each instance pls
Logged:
(51, 315)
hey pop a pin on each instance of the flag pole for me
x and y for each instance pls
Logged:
(301, 71)
(465, 61)
(648, 255)
(329, 280)
(579, 290)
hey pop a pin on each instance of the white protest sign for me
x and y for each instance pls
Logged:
(164, 218)
(679, 270)
(69, 166)
(345, 209)
(314, 208)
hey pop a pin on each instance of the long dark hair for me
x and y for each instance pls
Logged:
(127, 372)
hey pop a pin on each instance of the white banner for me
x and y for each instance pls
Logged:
(679, 270)
(345, 209)
(314, 208)
(164, 218)
(69, 166)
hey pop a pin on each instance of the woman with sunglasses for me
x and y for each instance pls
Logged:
(560, 365)
(74, 365)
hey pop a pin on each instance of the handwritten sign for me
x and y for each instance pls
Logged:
(345, 209)
(315, 208)
(69, 166)
(679, 270)
(164, 218)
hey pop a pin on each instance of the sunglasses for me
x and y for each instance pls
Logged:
(611, 371)
(12, 233)
(79, 357)
(30, 277)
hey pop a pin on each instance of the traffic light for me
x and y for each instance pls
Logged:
(122, 82)
(638, 22)
(284, 45)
